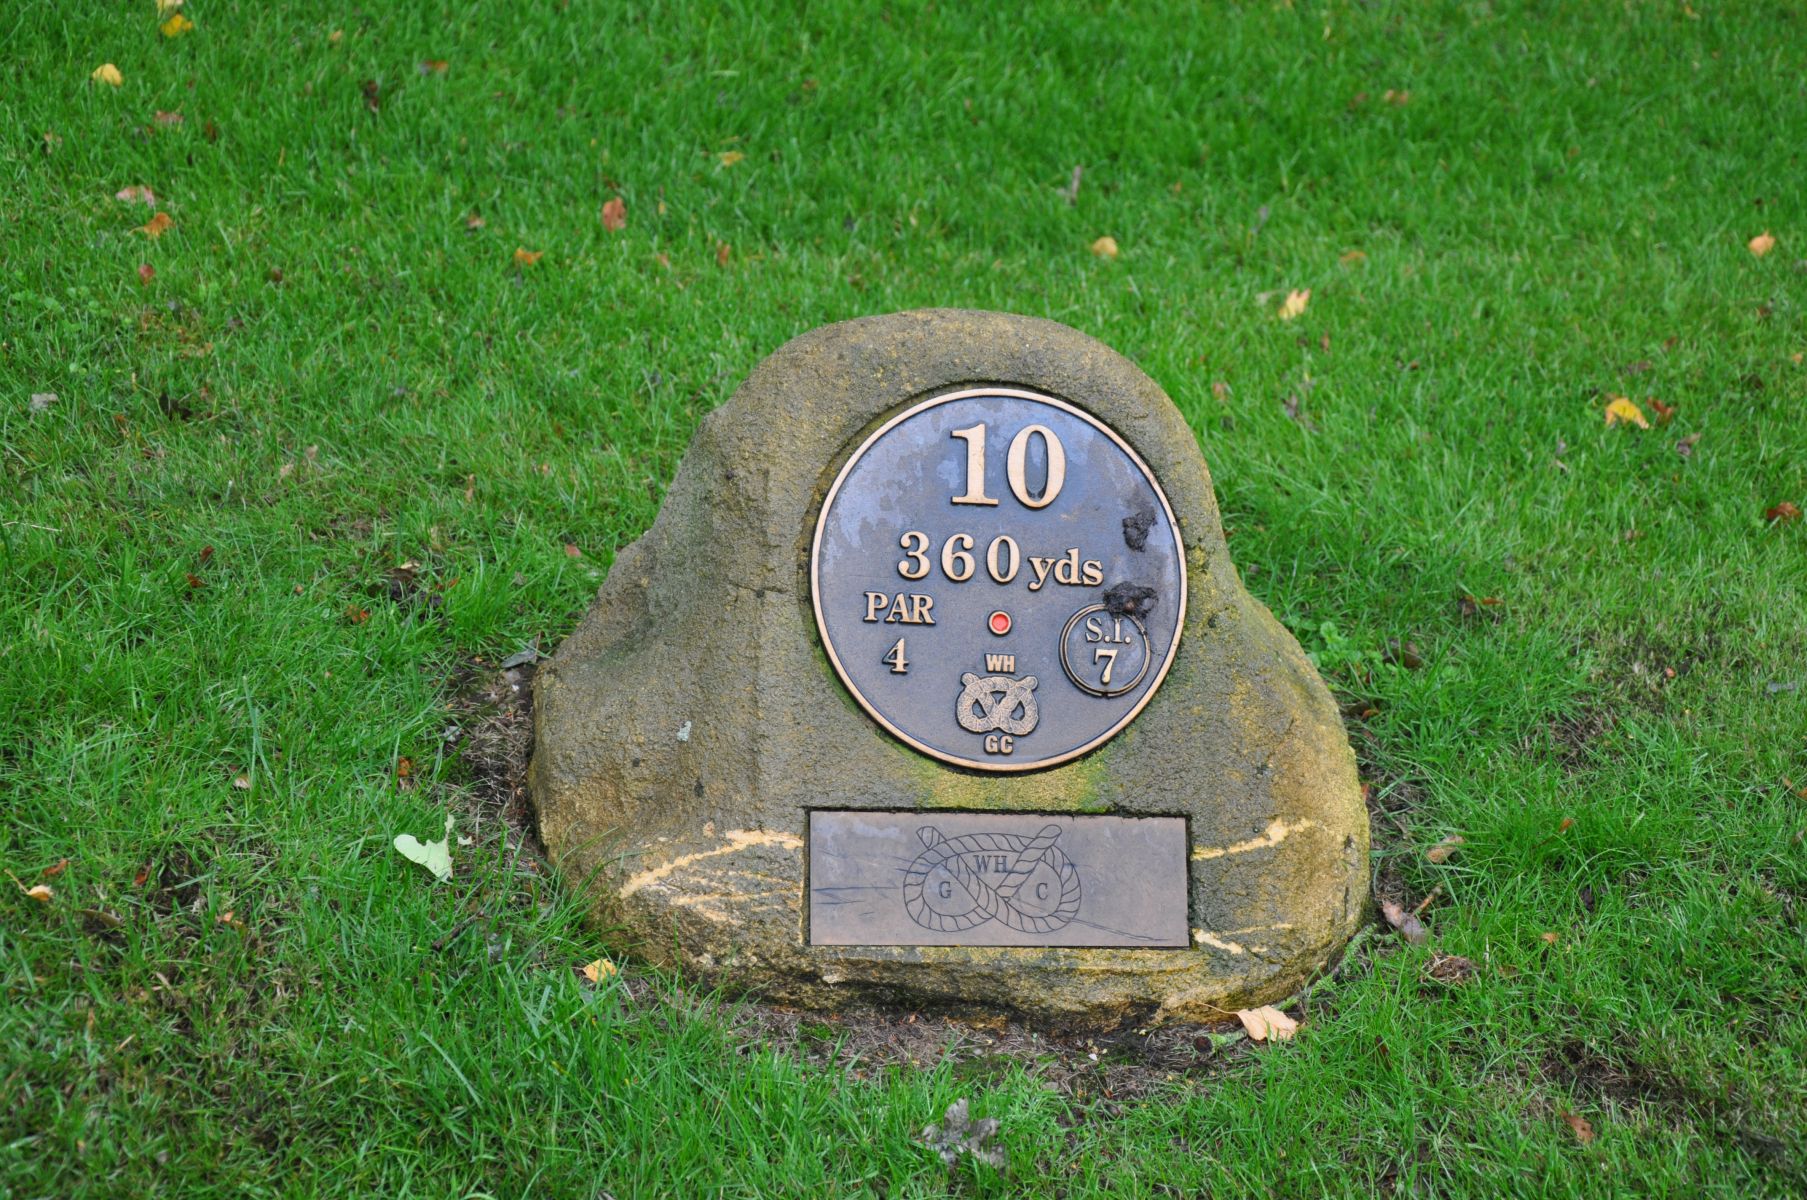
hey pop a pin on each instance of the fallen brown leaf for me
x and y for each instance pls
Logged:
(1399, 98)
(1551, 937)
(241, 782)
(1584, 1132)
(1685, 447)
(1404, 654)
(433, 66)
(373, 95)
(1762, 244)
(1664, 412)
(1408, 925)
(614, 215)
(722, 251)
(1105, 247)
(55, 869)
(1442, 850)
(146, 272)
(1267, 1023)
(157, 226)
(166, 119)
(1450, 968)
(524, 257)
(1785, 511)
(356, 615)
(571, 550)
(137, 194)
(1350, 258)
(473, 222)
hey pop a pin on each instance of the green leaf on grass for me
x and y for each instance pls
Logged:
(434, 856)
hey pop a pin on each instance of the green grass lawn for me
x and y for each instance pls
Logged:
(326, 368)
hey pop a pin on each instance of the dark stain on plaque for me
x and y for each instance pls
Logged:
(935, 878)
(1129, 600)
(1136, 527)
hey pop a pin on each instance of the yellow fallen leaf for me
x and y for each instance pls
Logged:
(1267, 1023)
(108, 74)
(40, 892)
(157, 226)
(1351, 257)
(1105, 247)
(599, 970)
(728, 158)
(1762, 244)
(176, 26)
(1294, 305)
(525, 257)
(1622, 409)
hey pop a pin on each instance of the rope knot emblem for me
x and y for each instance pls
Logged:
(991, 702)
(1025, 882)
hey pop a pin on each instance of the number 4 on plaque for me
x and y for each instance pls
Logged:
(899, 664)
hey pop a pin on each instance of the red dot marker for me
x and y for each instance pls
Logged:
(999, 622)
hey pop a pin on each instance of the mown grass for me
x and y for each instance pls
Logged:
(330, 374)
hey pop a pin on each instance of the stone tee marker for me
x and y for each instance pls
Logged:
(933, 680)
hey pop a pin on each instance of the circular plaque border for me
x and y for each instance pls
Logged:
(815, 581)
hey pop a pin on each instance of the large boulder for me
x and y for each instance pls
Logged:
(687, 726)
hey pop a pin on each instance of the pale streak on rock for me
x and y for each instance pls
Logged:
(738, 840)
(711, 904)
(1204, 937)
(1277, 831)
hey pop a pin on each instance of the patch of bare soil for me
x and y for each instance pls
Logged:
(1613, 1078)
(492, 709)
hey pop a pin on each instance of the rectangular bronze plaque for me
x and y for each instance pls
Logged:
(932, 878)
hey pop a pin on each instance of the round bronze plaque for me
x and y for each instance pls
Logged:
(998, 579)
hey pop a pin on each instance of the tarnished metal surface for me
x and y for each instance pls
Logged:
(996, 879)
(998, 579)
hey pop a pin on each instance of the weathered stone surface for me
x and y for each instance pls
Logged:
(691, 720)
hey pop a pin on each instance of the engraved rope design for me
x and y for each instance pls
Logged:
(991, 902)
(995, 711)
